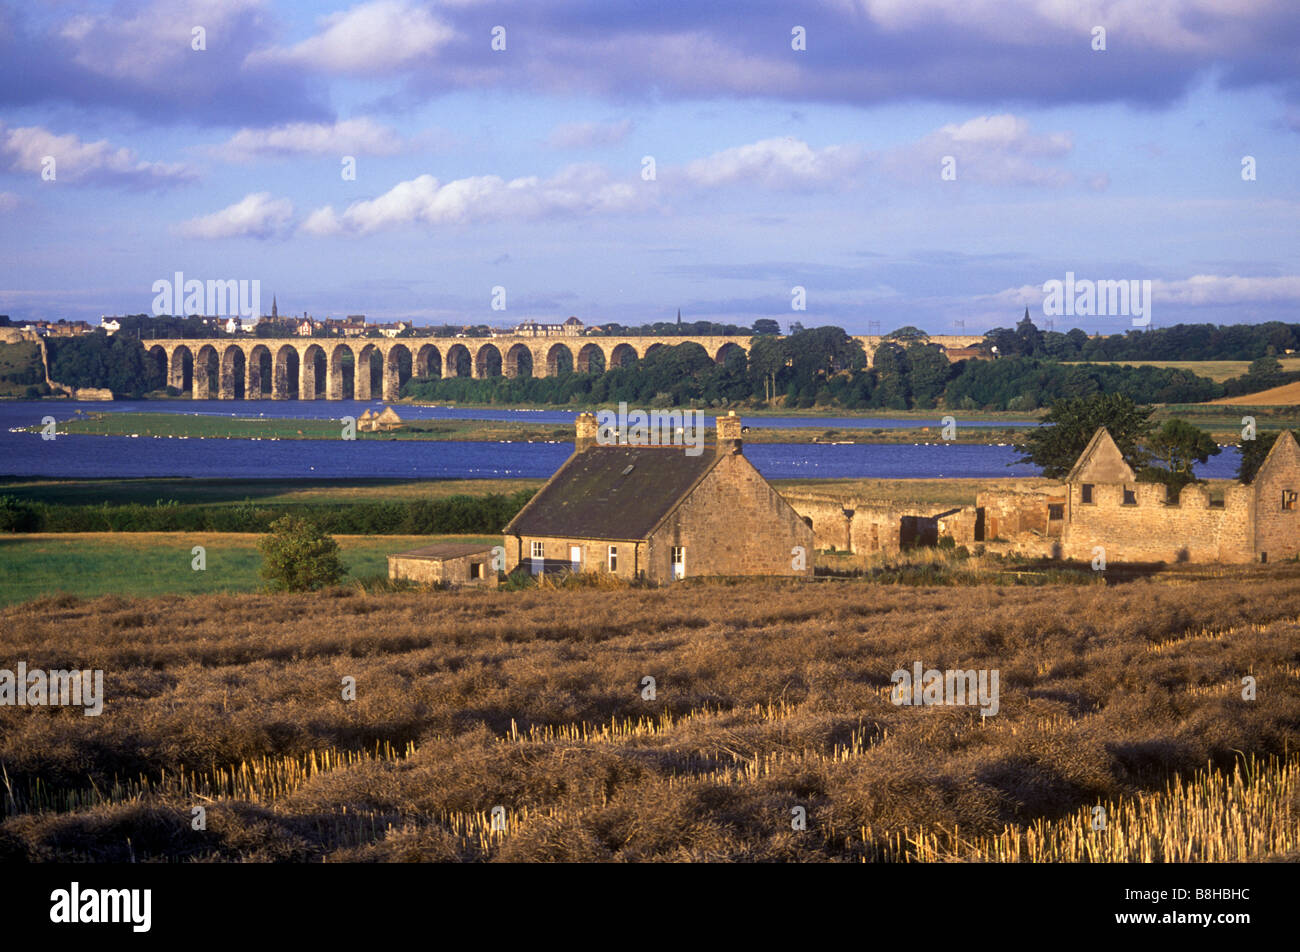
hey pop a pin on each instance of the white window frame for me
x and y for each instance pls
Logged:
(538, 557)
(679, 562)
(612, 558)
(575, 565)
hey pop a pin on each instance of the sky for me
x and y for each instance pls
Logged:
(923, 162)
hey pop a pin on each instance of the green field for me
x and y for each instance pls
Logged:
(232, 492)
(159, 563)
(20, 368)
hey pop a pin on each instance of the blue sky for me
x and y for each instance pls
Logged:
(774, 167)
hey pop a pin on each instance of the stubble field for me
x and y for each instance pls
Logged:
(770, 698)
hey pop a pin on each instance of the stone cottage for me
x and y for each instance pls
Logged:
(659, 513)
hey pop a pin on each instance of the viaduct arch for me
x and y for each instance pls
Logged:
(329, 368)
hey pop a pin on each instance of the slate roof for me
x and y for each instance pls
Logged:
(612, 492)
(446, 550)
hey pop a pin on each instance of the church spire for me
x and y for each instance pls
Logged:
(275, 311)
(679, 317)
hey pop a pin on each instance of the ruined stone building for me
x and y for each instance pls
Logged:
(1100, 503)
(659, 513)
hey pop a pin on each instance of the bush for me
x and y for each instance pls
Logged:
(299, 557)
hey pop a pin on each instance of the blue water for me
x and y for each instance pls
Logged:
(76, 456)
(23, 412)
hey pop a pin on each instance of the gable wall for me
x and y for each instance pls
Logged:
(733, 523)
(1277, 531)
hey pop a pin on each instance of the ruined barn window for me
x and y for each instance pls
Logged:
(1056, 511)
(807, 520)
(1085, 493)
(1216, 499)
(1130, 496)
(1288, 500)
(613, 558)
(476, 570)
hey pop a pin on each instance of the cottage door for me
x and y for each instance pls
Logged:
(679, 561)
(575, 558)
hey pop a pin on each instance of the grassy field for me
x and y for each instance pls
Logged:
(232, 492)
(22, 360)
(263, 491)
(1216, 370)
(154, 563)
(769, 696)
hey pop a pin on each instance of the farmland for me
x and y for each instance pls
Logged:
(532, 705)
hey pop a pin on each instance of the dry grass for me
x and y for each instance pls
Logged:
(770, 695)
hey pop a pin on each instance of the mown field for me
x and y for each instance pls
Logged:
(1216, 370)
(153, 563)
(770, 698)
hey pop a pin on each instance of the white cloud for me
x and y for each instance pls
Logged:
(255, 216)
(1175, 25)
(575, 191)
(362, 136)
(24, 149)
(373, 38)
(991, 150)
(586, 135)
(1227, 289)
(776, 163)
(144, 42)
(1198, 290)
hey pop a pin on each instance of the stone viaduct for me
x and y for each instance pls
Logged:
(312, 368)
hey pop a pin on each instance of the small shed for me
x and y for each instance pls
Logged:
(449, 563)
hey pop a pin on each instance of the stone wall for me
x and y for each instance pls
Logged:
(1151, 530)
(1277, 529)
(454, 571)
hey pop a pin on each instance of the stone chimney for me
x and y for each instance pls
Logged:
(729, 441)
(585, 435)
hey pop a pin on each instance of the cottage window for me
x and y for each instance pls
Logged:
(539, 550)
(539, 558)
(613, 558)
(679, 561)
(1288, 500)
(1130, 497)
(1085, 494)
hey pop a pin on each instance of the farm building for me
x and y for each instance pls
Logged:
(446, 563)
(370, 422)
(658, 513)
(1099, 504)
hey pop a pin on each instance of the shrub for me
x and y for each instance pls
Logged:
(299, 557)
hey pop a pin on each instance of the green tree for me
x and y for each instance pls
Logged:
(298, 557)
(1263, 366)
(765, 325)
(928, 373)
(1174, 448)
(1253, 453)
(1070, 424)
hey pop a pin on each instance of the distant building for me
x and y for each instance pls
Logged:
(570, 328)
(655, 512)
(110, 325)
(371, 422)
